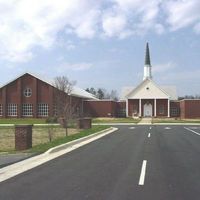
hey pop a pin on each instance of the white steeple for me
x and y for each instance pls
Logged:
(147, 64)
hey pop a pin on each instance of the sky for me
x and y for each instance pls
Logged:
(101, 43)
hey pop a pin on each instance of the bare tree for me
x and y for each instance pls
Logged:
(64, 107)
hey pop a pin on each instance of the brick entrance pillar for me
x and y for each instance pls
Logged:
(23, 137)
(84, 123)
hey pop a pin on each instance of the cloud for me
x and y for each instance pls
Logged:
(27, 24)
(114, 25)
(181, 13)
(73, 66)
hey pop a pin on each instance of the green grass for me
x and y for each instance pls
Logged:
(174, 120)
(22, 121)
(115, 120)
(44, 147)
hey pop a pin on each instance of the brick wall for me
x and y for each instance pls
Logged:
(101, 108)
(190, 108)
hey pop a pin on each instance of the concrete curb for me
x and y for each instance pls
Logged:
(74, 142)
(193, 124)
(25, 165)
(136, 124)
(132, 124)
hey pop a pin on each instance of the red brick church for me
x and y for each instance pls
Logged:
(31, 96)
(146, 100)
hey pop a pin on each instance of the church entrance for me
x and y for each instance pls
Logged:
(147, 110)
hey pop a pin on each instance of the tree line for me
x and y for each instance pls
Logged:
(102, 93)
(189, 97)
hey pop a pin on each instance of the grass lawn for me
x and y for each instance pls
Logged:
(44, 147)
(174, 120)
(115, 120)
(40, 137)
(22, 121)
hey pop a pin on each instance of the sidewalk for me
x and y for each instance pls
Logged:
(7, 159)
(146, 120)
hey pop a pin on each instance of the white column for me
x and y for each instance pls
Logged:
(140, 113)
(154, 107)
(168, 113)
(126, 107)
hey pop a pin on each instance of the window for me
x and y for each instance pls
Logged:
(174, 111)
(27, 92)
(27, 110)
(1, 109)
(12, 109)
(43, 110)
(161, 109)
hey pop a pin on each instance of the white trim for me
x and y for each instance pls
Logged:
(168, 112)
(155, 106)
(140, 108)
(150, 98)
(126, 107)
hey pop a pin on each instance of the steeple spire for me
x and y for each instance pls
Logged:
(147, 55)
(147, 64)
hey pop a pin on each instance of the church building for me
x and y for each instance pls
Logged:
(149, 99)
(29, 95)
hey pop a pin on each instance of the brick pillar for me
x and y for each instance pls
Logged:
(23, 137)
(84, 123)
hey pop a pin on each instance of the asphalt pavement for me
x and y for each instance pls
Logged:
(138, 162)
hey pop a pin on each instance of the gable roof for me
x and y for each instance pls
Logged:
(125, 91)
(76, 91)
(171, 90)
(148, 89)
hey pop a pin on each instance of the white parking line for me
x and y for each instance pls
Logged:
(132, 128)
(149, 135)
(192, 131)
(142, 174)
(167, 128)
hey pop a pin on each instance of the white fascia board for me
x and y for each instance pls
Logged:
(149, 98)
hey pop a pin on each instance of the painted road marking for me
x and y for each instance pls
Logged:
(167, 128)
(192, 131)
(194, 128)
(150, 127)
(142, 174)
(149, 135)
(132, 128)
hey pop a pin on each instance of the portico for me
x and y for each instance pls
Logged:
(148, 107)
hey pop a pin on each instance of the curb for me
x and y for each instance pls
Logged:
(132, 124)
(74, 142)
(136, 124)
(30, 163)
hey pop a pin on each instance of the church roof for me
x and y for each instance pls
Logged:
(76, 91)
(171, 90)
(149, 89)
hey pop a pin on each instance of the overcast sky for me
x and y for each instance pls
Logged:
(101, 43)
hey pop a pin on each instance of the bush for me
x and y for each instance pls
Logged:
(52, 120)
